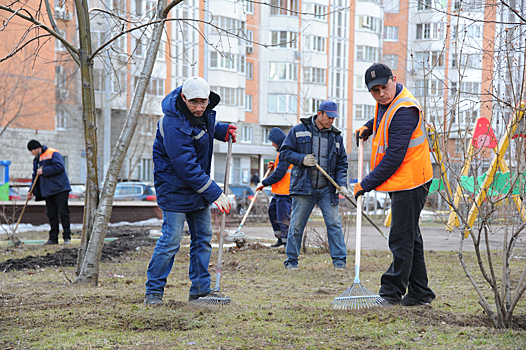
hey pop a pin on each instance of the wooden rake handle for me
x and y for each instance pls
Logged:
(350, 200)
(27, 200)
(253, 200)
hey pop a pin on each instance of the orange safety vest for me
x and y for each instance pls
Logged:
(48, 154)
(283, 185)
(416, 169)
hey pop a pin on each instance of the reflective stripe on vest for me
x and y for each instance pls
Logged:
(416, 168)
(283, 185)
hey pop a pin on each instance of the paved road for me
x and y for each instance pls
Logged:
(435, 238)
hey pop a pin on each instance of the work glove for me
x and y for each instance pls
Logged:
(270, 165)
(223, 204)
(344, 191)
(358, 190)
(362, 133)
(309, 160)
(232, 130)
(260, 186)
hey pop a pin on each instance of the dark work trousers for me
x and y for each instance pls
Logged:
(57, 206)
(279, 215)
(408, 269)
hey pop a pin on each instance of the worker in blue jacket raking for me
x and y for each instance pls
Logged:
(316, 140)
(52, 186)
(182, 157)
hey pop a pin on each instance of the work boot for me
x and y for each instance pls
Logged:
(279, 243)
(67, 241)
(194, 297)
(153, 299)
(410, 301)
(48, 242)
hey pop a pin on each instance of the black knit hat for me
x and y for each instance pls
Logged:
(33, 144)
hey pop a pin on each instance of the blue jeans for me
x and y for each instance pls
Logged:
(279, 215)
(302, 206)
(199, 223)
(408, 268)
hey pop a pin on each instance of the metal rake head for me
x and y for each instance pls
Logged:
(213, 299)
(358, 297)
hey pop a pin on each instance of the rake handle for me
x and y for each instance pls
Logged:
(223, 218)
(27, 200)
(350, 199)
(252, 203)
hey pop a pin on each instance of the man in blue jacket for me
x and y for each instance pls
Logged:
(182, 157)
(53, 187)
(316, 140)
(281, 203)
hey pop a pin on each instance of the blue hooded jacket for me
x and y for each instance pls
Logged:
(182, 156)
(54, 179)
(298, 144)
(277, 136)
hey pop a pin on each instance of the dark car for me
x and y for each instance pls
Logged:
(244, 195)
(135, 191)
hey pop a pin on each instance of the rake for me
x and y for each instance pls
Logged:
(357, 296)
(238, 232)
(216, 298)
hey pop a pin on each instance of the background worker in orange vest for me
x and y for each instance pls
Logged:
(281, 204)
(53, 187)
(401, 166)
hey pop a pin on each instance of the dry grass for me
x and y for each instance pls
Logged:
(277, 308)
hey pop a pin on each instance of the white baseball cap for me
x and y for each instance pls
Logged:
(196, 87)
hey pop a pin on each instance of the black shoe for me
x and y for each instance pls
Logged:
(194, 297)
(153, 299)
(409, 301)
(50, 242)
(279, 243)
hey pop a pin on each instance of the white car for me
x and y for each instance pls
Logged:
(378, 200)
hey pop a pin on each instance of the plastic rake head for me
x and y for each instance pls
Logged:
(358, 297)
(212, 300)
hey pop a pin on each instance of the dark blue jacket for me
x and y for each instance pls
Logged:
(54, 179)
(277, 136)
(299, 143)
(401, 128)
(182, 156)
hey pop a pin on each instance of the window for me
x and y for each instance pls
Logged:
(391, 61)
(430, 31)
(363, 112)
(266, 132)
(146, 170)
(391, 33)
(59, 46)
(119, 80)
(371, 24)
(315, 43)
(424, 5)
(429, 59)
(284, 7)
(367, 53)
(250, 41)
(144, 7)
(61, 120)
(229, 25)
(230, 96)
(314, 75)
(391, 6)
(469, 88)
(285, 40)
(316, 11)
(359, 82)
(140, 48)
(312, 106)
(250, 69)
(146, 123)
(467, 61)
(240, 64)
(227, 61)
(246, 134)
(472, 31)
(283, 71)
(248, 103)
(249, 6)
(429, 87)
(155, 86)
(282, 103)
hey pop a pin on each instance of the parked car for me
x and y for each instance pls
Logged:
(20, 190)
(13, 195)
(381, 199)
(244, 195)
(135, 191)
(78, 191)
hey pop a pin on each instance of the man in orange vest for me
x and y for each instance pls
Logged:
(401, 166)
(53, 187)
(281, 204)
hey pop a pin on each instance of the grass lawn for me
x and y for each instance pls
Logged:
(274, 308)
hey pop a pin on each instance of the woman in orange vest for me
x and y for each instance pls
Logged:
(281, 204)
(401, 166)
